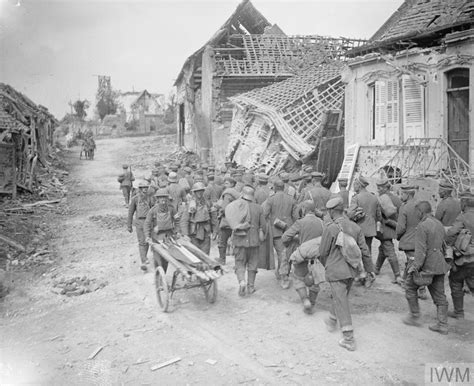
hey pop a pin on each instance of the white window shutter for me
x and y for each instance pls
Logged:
(392, 135)
(413, 108)
(380, 111)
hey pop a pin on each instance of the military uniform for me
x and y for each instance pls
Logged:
(225, 232)
(407, 221)
(463, 266)
(140, 205)
(126, 183)
(176, 192)
(246, 244)
(339, 273)
(448, 210)
(199, 221)
(280, 207)
(429, 259)
(369, 203)
(307, 228)
(160, 224)
(388, 233)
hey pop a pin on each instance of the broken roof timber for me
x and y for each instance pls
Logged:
(246, 19)
(420, 23)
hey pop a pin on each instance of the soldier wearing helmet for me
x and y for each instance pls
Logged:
(160, 224)
(176, 191)
(126, 179)
(199, 219)
(140, 205)
(247, 240)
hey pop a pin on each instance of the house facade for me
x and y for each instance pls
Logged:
(409, 92)
(143, 109)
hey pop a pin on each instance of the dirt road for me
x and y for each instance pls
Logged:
(47, 337)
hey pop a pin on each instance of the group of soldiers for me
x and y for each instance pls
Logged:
(263, 216)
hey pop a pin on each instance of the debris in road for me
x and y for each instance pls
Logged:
(78, 285)
(141, 361)
(164, 364)
(12, 243)
(96, 351)
(211, 362)
(110, 221)
(43, 202)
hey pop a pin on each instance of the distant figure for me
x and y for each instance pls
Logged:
(126, 183)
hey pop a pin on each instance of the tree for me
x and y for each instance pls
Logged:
(107, 99)
(80, 108)
(170, 111)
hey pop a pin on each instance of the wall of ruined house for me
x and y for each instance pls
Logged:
(428, 63)
(185, 95)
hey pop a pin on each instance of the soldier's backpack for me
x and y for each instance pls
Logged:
(349, 248)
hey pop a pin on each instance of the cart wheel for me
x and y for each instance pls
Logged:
(210, 290)
(162, 289)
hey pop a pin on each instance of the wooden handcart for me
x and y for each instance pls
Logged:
(191, 267)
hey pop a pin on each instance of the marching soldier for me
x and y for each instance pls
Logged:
(407, 222)
(140, 205)
(389, 204)
(262, 192)
(246, 244)
(365, 211)
(449, 207)
(199, 219)
(160, 224)
(238, 174)
(318, 193)
(280, 209)
(307, 228)
(212, 192)
(462, 269)
(289, 189)
(126, 183)
(225, 232)
(339, 273)
(429, 263)
(176, 191)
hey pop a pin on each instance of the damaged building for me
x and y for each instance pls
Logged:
(26, 134)
(245, 54)
(284, 124)
(408, 96)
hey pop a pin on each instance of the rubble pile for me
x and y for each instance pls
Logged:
(184, 157)
(149, 153)
(110, 221)
(77, 286)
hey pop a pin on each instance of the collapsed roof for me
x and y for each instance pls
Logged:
(280, 120)
(421, 22)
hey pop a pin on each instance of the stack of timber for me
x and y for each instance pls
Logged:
(188, 259)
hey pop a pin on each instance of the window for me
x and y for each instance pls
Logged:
(397, 111)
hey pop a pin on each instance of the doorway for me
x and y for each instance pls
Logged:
(458, 111)
(181, 125)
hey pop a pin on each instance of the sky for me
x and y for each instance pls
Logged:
(53, 50)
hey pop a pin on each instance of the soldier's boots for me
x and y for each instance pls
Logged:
(369, 280)
(143, 249)
(442, 325)
(398, 280)
(413, 318)
(222, 255)
(331, 324)
(303, 293)
(251, 282)
(458, 312)
(285, 282)
(348, 341)
(313, 295)
(242, 288)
